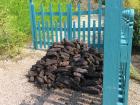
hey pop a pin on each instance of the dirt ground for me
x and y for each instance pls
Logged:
(136, 58)
(16, 90)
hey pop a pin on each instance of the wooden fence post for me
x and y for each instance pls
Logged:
(112, 37)
(33, 24)
(69, 21)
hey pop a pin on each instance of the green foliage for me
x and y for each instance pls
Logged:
(136, 38)
(20, 9)
(11, 39)
(12, 36)
(15, 27)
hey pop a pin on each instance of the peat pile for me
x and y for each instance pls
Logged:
(69, 65)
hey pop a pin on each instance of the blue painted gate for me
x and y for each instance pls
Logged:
(114, 37)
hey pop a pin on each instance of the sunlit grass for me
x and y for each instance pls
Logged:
(15, 29)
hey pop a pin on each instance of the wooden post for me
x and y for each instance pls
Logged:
(112, 37)
(69, 21)
(43, 25)
(89, 18)
(60, 21)
(33, 24)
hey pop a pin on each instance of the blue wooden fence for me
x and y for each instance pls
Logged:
(44, 33)
(115, 37)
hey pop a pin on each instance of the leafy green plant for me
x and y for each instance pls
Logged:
(15, 28)
(11, 39)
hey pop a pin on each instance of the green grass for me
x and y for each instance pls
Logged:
(15, 29)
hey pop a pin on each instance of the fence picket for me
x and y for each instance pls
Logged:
(89, 22)
(125, 29)
(99, 23)
(79, 29)
(84, 31)
(33, 21)
(52, 33)
(56, 31)
(48, 35)
(39, 35)
(123, 23)
(60, 21)
(43, 25)
(65, 31)
(51, 22)
(94, 33)
(70, 21)
(74, 30)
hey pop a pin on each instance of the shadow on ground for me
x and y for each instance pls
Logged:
(64, 97)
(136, 57)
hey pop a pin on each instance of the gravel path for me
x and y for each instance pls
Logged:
(15, 89)
(136, 61)
(134, 93)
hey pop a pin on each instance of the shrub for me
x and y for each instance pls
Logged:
(15, 27)
(11, 39)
